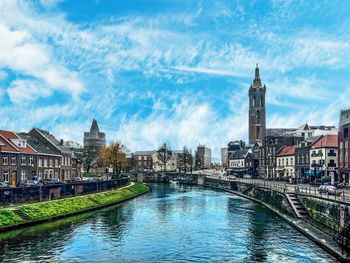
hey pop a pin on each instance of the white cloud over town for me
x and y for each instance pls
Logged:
(180, 78)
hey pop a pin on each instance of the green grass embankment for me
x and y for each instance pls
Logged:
(8, 217)
(68, 206)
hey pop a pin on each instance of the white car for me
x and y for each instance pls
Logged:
(247, 176)
(329, 189)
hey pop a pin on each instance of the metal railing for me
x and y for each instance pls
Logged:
(341, 195)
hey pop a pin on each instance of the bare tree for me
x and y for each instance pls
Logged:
(89, 157)
(164, 154)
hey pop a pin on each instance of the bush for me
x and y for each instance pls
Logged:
(89, 174)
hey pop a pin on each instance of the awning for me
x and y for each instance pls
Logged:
(313, 173)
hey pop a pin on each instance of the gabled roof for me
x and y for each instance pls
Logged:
(239, 154)
(52, 140)
(41, 146)
(286, 151)
(6, 146)
(328, 140)
(9, 136)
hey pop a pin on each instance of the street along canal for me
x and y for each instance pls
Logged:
(171, 223)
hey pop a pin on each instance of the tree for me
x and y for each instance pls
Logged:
(164, 154)
(198, 161)
(187, 159)
(89, 157)
(114, 155)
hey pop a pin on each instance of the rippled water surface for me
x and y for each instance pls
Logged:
(169, 224)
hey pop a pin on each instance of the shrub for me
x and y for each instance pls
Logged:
(8, 217)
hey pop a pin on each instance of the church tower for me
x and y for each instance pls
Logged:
(257, 111)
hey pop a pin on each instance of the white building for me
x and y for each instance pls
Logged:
(285, 160)
(324, 156)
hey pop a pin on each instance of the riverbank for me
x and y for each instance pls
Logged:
(31, 214)
(320, 238)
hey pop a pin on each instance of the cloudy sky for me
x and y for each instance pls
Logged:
(153, 71)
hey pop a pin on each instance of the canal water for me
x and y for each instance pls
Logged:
(169, 224)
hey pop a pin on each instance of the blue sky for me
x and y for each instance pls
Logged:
(170, 71)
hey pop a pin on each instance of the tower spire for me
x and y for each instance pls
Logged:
(257, 77)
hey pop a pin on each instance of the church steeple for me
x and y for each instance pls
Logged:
(257, 72)
(257, 112)
(257, 80)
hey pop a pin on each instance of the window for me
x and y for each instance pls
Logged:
(23, 175)
(346, 132)
(45, 162)
(262, 101)
(23, 160)
(51, 174)
(346, 153)
(13, 160)
(56, 162)
(51, 162)
(46, 174)
(6, 176)
(40, 162)
(5, 160)
(30, 162)
(40, 174)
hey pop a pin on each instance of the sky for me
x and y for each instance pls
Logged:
(174, 71)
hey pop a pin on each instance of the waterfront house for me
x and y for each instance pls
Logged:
(343, 144)
(65, 153)
(323, 157)
(285, 163)
(18, 159)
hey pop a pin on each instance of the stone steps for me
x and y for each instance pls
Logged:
(298, 208)
(22, 215)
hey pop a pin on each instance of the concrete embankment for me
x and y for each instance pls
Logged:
(278, 203)
(31, 214)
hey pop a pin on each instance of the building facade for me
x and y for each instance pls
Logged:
(242, 162)
(18, 159)
(302, 161)
(268, 151)
(285, 163)
(48, 164)
(64, 152)
(324, 157)
(94, 138)
(343, 146)
(224, 157)
(257, 111)
(204, 156)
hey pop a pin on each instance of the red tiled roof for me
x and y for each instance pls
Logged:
(328, 140)
(6, 146)
(8, 135)
(287, 150)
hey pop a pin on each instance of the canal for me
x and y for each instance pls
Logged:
(169, 224)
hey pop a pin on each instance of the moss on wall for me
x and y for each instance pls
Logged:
(276, 199)
(325, 212)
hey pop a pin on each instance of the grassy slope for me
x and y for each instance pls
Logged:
(8, 217)
(70, 205)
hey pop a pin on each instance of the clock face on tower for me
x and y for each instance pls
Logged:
(257, 112)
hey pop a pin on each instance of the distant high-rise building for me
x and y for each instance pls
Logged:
(94, 138)
(257, 111)
(204, 155)
(224, 157)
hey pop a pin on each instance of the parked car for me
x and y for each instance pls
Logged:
(26, 183)
(329, 189)
(74, 180)
(51, 181)
(4, 185)
(247, 176)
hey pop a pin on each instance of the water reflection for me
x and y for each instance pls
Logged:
(169, 224)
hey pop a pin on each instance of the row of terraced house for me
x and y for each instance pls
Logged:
(35, 154)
